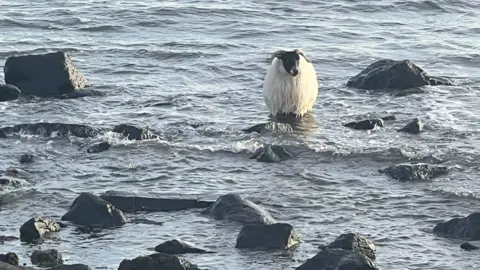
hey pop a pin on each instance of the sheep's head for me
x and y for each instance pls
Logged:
(290, 60)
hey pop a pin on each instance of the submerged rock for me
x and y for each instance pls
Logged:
(468, 246)
(91, 211)
(134, 133)
(70, 267)
(179, 247)
(390, 74)
(338, 259)
(6, 181)
(9, 92)
(10, 258)
(414, 127)
(48, 129)
(268, 236)
(46, 258)
(354, 242)
(157, 261)
(414, 172)
(235, 208)
(132, 203)
(367, 124)
(7, 238)
(460, 228)
(43, 75)
(82, 93)
(271, 154)
(270, 127)
(389, 117)
(26, 158)
(36, 227)
(99, 147)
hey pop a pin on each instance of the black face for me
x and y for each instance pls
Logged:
(291, 61)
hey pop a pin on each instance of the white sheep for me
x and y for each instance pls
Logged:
(290, 86)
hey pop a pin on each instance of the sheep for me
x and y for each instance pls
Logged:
(290, 86)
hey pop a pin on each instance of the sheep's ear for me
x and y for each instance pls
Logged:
(300, 52)
(278, 54)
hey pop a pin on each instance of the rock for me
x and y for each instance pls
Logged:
(134, 133)
(178, 247)
(36, 227)
(270, 127)
(271, 236)
(235, 208)
(389, 117)
(145, 221)
(99, 147)
(460, 228)
(43, 75)
(390, 74)
(414, 127)
(468, 246)
(91, 211)
(46, 258)
(157, 261)
(7, 266)
(132, 203)
(48, 129)
(82, 93)
(338, 259)
(70, 267)
(414, 172)
(10, 258)
(271, 154)
(7, 238)
(355, 242)
(9, 92)
(6, 181)
(368, 124)
(26, 158)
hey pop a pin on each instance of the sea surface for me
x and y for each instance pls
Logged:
(193, 71)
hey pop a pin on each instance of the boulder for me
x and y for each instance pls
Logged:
(36, 227)
(10, 258)
(44, 75)
(460, 228)
(270, 127)
(235, 208)
(46, 258)
(91, 211)
(414, 171)
(178, 247)
(4, 238)
(7, 181)
(98, 147)
(48, 129)
(414, 127)
(271, 154)
(134, 133)
(391, 74)
(9, 92)
(70, 267)
(157, 261)
(468, 246)
(338, 259)
(26, 158)
(367, 124)
(354, 242)
(132, 203)
(7, 266)
(390, 117)
(268, 236)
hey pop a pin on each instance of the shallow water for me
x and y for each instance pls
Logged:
(206, 61)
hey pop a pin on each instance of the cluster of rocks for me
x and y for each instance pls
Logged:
(49, 259)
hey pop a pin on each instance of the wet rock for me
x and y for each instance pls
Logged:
(460, 228)
(82, 93)
(70, 267)
(414, 172)
(271, 154)
(338, 259)
(99, 147)
(132, 203)
(6, 181)
(389, 117)
(36, 227)
(91, 211)
(9, 92)
(7, 266)
(157, 261)
(468, 246)
(43, 75)
(46, 258)
(271, 236)
(48, 129)
(414, 127)
(26, 158)
(7, 238)
(270, 127)
(235, 208)
(10, 258)
(179, 247)
(390, 74)
(145, 221)
(367, 124)
(355, 242)
(134, 133)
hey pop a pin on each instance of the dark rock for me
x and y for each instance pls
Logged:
(178, 247)
(270, 127)
(82, 93)
(367, 124)
(99, 147)
(414, 127)
(271, 154)
(7, 266)
(43, 75)
(134, 133)
(157, 261)
(9, 92)
(47, 129)
(26, 158)
(390, 74)
(235, 208)
(7, 238)
(10, 258)
(131, 203)
(46, 258)
(468, 246)
(6, 181)
(271, 236)
(36, 227)
(414, 172)
(91, 211)
(70, 267)
(460, 228)
(355, 242)
(389, 117)
(145, 221)
(338, 259)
